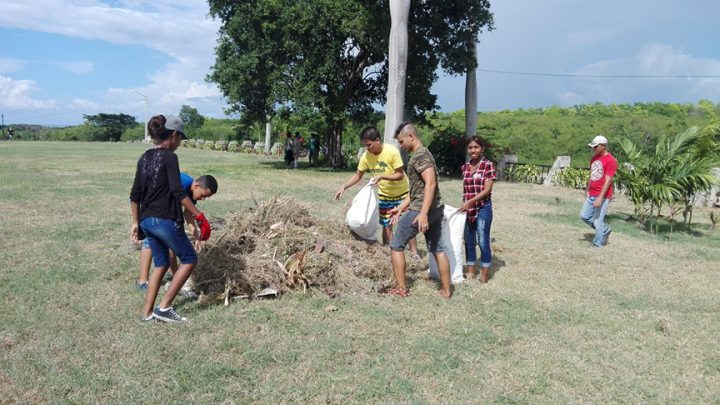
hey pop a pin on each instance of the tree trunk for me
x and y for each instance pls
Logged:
(471, 100)
(335, 156)
(268, 137)
(397, 60)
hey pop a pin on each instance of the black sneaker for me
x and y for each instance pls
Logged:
(169, 316)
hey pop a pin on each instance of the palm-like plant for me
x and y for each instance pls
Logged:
(677, 171)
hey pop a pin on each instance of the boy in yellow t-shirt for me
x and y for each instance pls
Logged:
(385, 164)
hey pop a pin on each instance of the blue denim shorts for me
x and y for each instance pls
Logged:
(407, 230)
(164, 234)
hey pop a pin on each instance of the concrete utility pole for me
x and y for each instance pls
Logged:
(147, 137)
(397, 55)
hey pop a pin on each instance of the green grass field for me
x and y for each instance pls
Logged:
(559, 322)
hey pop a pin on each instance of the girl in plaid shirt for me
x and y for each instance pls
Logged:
(478, 177)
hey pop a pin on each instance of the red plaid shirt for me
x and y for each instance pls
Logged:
(474, 184)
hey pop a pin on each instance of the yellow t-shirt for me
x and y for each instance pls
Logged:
(385, 163)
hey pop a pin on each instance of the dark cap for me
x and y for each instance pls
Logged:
(174, 123)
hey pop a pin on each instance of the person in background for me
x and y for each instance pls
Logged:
(424, 213)
(478, 177)
(599, 190)
(385, 164)
(288, 149)
(313, 148)
(157, 198)
(297, 146)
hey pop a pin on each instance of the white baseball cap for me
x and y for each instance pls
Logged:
(598, 140)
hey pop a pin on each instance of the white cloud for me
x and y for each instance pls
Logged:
(11, 65)
(84, 104)
(570, 98)
(77, 67)
(180, 29)
(15, 95)
(650, 60)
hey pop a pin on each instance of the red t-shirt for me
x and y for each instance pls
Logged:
(601, 166)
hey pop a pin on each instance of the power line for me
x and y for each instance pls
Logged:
(507, 72)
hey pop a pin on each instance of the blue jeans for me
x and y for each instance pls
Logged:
(595, 217)
(479, 232)
(163, 234)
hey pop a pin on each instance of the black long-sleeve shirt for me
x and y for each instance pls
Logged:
(156, 188)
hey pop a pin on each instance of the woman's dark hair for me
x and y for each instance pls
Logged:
(477, 140)
(157, 130)
(370, 133)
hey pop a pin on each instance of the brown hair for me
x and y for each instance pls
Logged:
(157, 130)
(477, 140)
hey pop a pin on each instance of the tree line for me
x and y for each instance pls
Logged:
(534, 135)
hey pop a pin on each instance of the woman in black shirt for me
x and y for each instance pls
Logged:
(157, 198)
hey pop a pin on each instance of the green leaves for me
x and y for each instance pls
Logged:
(331, 56)
(677, 171)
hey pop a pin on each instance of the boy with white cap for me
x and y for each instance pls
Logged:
(599, 190)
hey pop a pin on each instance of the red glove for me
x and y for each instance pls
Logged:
(204, 226)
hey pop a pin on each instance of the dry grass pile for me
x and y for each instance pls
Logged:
(280, 245)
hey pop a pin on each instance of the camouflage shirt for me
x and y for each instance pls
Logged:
(420, 161)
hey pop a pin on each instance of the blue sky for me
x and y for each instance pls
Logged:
(60, 59)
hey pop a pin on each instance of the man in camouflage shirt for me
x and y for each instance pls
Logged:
(424, 211)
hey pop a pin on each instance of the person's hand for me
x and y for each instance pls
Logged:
(204, 226)
(466, 206)
(598, 202)
(134, 232)
(338, 193)
(394, 216)
(422, 222)
(374, 180)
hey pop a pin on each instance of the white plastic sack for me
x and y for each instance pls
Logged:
(453, 229)
(363, 216)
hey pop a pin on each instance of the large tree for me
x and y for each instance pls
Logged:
(108, 127)
(191, 117)
(331, 56)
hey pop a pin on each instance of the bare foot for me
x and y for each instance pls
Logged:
(445, 294)
(485, 276)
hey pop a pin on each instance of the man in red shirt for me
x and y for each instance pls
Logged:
(599, 190)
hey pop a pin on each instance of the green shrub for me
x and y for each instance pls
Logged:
(221, 145)
(135, 133)
(526, 173)
(449, 151)
(571, 177)
(351, 157)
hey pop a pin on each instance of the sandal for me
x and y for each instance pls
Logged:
(398, 291)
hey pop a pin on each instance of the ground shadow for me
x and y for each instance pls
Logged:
(496, 267)
(303, 166)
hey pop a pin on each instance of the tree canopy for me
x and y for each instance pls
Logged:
(331, 55)
(191, 118)
(108, 127)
